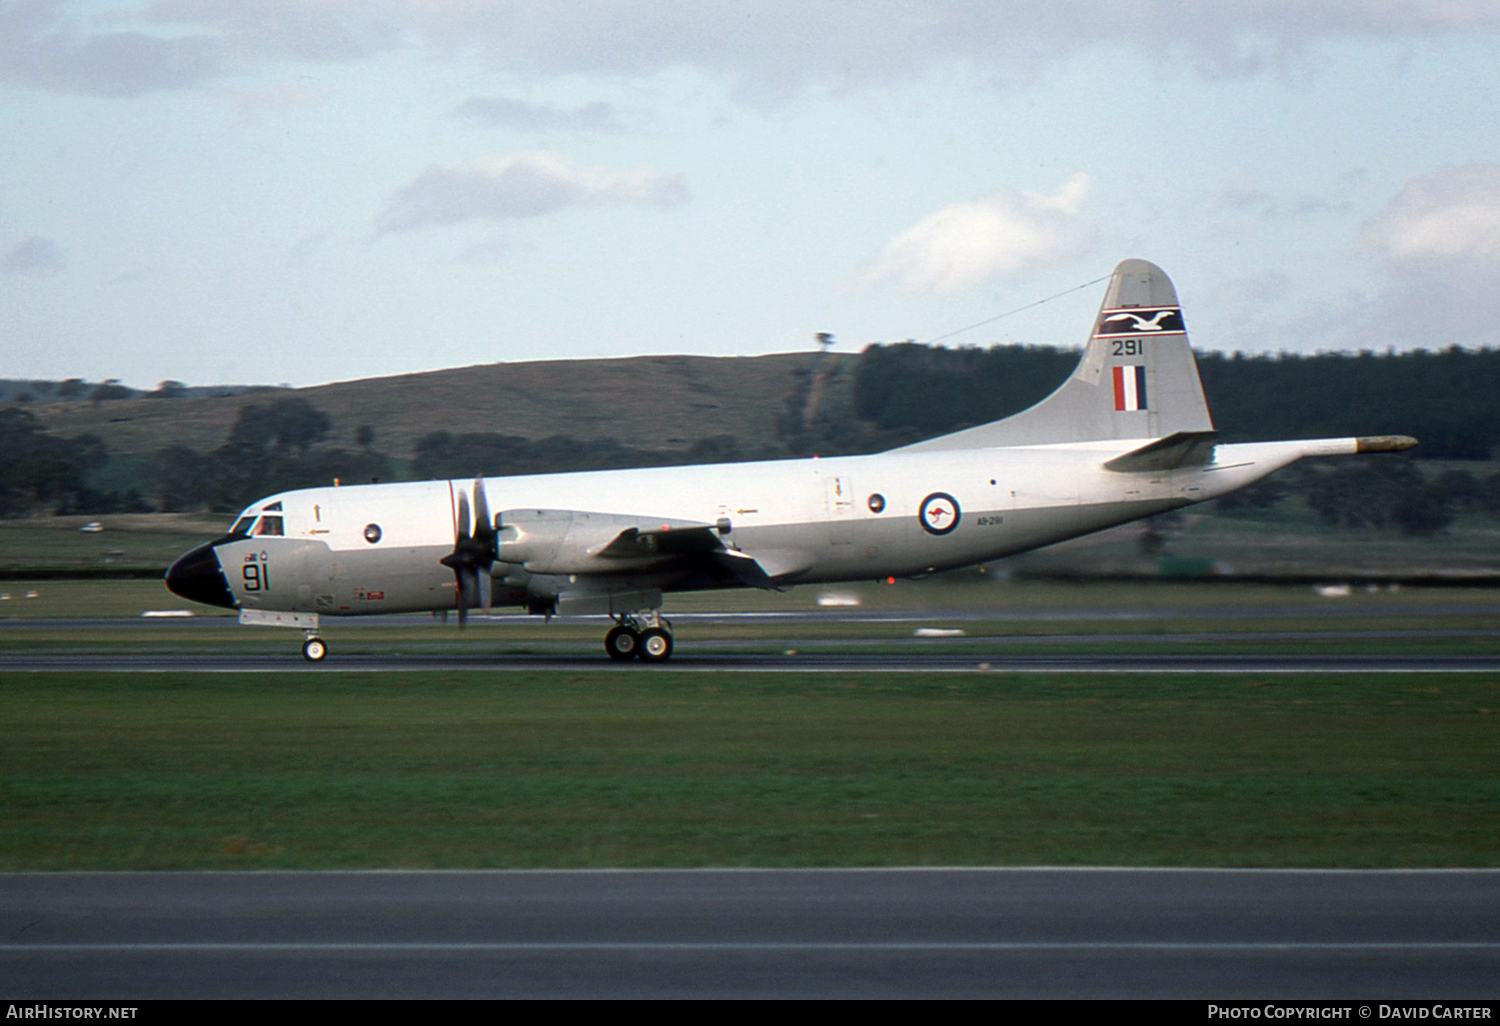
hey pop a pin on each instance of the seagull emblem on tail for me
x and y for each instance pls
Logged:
(1141, 324)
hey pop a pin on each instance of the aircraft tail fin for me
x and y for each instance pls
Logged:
(1137, 377)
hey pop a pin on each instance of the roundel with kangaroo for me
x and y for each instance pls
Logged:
(939, 513)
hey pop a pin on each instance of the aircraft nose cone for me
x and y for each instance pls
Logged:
(196, 575)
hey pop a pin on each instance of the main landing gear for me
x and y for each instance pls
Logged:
(644, 635)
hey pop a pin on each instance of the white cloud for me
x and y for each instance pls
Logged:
(1438, 242)
(519, 186)
(33, 257)
(967, 244)
(1451, 216)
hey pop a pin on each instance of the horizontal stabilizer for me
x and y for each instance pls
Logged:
(1183, 449)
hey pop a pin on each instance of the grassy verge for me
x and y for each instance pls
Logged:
(470, 769)
(1021, 618)
(500, 642)
(129, 541)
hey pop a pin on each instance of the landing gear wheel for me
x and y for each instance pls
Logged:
(622, 642)
(656, 645)
(313, 650)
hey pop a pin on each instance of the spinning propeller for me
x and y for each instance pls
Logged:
(473, 553)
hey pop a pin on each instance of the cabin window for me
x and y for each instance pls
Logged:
(269, 525)
(877, 503)
(372, 533)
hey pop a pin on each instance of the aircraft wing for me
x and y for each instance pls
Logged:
(705, 543)
(770, 570)
(580, 543)
(671, 538)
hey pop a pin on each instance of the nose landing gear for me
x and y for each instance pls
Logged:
(314, 649)
(646, 636)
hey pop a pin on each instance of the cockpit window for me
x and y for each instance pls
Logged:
(242, 525)
(269, 525)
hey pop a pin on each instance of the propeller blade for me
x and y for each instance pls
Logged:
(468, 592)
(483, 526)
(473, 553)
(484, 543)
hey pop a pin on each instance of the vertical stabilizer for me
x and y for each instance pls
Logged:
(1137, 378)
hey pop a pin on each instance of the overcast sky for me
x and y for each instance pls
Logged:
(305, 191)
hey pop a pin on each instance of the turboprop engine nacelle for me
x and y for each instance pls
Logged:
(565, 541)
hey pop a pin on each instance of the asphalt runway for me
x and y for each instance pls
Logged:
(1413, 612)
(900, 651)
(970, 660)
(996, 933)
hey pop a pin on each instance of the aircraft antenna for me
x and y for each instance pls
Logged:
(1008, 313)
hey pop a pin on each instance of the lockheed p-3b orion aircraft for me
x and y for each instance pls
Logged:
(1128, 435)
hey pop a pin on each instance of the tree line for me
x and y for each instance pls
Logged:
(899, 393)
(1445, 398)
(269, 448)
(42, 472)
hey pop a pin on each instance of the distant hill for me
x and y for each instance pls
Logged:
(28, 391)
(652, 402)
(172, 450)
(886, 395)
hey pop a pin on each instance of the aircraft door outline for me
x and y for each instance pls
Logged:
(841, 509)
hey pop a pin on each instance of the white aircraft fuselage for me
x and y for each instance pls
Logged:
(1126, 437)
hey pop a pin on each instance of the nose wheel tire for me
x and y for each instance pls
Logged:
(655, 645)
(314, 650)
(622, 643)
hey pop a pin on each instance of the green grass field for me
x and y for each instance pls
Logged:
(598, 769)
(129, 541)
(639, 767)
